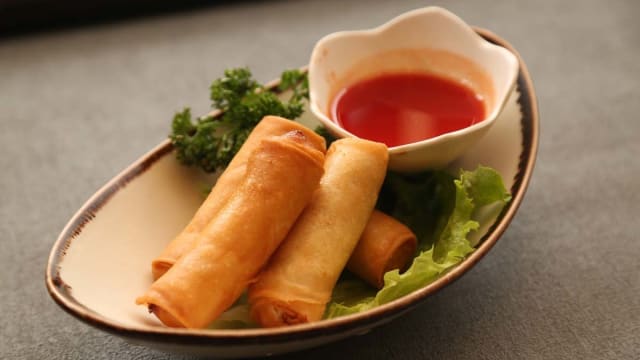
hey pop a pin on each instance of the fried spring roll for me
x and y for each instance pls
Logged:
(282, 174)
(386, 244)
(297, 283)
(227, 183)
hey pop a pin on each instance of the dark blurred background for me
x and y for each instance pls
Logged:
(19, 17)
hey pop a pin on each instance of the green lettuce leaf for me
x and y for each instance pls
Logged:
(422, 201)
(474, 189)
(443, 228)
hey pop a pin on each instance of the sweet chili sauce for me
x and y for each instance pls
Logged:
(398, 109)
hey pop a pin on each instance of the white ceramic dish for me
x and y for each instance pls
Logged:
(429, 40)
(100, 261)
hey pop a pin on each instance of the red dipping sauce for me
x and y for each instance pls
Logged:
(398, 109)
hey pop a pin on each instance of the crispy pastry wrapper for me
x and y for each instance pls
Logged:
(282, 174)
(297, 283)
(226, 184)
(386, 244)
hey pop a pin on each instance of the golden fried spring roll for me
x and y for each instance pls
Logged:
(282, 174)
(227, 183)
(386, 244)
(297, 283)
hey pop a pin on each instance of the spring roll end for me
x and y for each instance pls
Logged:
(400, 257)
(316, 141)
(154, 306)
(165, 317)
(385, 245)
(276, 313)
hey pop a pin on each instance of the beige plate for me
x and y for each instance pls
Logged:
(100, 261)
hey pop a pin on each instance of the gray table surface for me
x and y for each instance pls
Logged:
(77, 106)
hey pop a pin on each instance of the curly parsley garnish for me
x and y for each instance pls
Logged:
(211, 142)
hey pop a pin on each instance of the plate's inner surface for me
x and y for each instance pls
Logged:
(107, 262)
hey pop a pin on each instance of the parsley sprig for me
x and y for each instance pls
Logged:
(210, 142)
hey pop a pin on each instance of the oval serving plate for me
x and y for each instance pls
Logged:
(101, 260)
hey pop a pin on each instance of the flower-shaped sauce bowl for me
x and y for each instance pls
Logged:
(432, 41)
